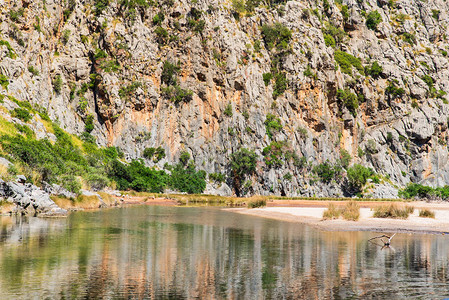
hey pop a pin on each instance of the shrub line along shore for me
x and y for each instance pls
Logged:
(301, 210)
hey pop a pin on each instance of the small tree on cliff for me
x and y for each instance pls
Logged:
(358, 176)
(243, 162)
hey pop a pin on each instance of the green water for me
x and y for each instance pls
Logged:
(150, 252)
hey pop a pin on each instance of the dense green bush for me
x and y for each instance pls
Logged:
(267, 78)
(276, 35)
(280, 84)
(349, 100)
(149, 152)
(421, 191)
(57, 84)
(393, 90)
(110, 66)
(97, 181)
(158, 18)
(184, 158)
(358, 176)
(137, 177)
(187, 179)
(345, 158)
(346, 61)
(273, 154)
(100, 6)
(373, 19)
(194, 21)
(71, 183)
(243, 162)
(25, 130)
(159, 154)
(326, 171)
(33, 70)
(333, 35)
(4, 81)
(161, 35)
(329, 41)
(65, 36)
(217, 177)
(272, 125)
(239, 7)
(22, 114)
(169, 72)
(177, 94)
(375, 70)
(89, 124)
(47, 159)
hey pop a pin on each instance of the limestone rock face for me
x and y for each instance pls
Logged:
(29, 199)
(76, 59)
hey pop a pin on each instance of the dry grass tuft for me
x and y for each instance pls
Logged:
(63, 202)
(331, 213)
(393, 211)
(87, 202)
(107, 198)
(426, 213)
(255, 202)
(351, 211)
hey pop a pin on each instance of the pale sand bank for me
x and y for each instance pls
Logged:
(312, 215)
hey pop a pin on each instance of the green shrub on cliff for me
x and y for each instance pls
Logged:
(243, 162)
(21, 114)
(273, 154)
(373, 19)
(272, 125)
(100, 6)
(346, 61)
(349, 100)
(358, 176)
(276, 35)
(57, 84)
(326, 171)
(4, 81)
(375, 70)
(169, 72)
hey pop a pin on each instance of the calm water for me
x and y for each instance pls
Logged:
(150, 252)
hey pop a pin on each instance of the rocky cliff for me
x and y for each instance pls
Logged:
(303, 80)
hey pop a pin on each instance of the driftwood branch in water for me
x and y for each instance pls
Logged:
(387, 242)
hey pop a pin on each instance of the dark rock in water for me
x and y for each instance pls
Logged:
(29, 199)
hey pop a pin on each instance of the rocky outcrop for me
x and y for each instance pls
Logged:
(29, 199)
(77, 58)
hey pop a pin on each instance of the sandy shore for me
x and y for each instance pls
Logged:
(311, 212)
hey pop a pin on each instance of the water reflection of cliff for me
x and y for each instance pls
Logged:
(161, 252)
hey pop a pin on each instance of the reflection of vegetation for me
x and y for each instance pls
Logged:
(84, 257)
